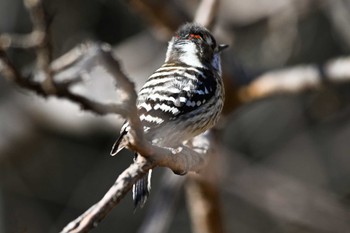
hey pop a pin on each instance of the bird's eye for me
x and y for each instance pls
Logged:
(194, 36)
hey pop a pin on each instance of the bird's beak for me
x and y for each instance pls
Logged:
(222, 47)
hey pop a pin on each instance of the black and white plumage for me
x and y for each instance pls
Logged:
(181, 99)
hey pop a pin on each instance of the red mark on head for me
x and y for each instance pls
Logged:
(195, 36)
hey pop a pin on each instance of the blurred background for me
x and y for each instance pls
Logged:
(284, 160)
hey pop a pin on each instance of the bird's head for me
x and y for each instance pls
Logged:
(194, 45)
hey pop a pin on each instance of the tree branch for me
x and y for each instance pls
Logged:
(96, 213)
(206, 13)
(82, 58)
(296, 79)
(180, 161)
(93, 53)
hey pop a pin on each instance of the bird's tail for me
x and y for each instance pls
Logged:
(119, 144)
(141, 190)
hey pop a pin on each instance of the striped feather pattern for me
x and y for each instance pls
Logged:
(174, 93)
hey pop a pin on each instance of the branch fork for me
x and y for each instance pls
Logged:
(181, 160)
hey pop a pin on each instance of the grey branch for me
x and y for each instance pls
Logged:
(296, 79)
(92, 53)
(90, 218)
(181, 160)
(206, 13)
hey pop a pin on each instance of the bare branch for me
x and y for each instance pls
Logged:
(202, 194)
(167, 17)
(28, 41)
(164, 17)
(95, 53)
(37, 39)
(338, 13)
(10, 72)
(120, 188)
(206, 13)
(43, 50)
(296, 79)
(181, 160)
(203, 201)
(84, 56)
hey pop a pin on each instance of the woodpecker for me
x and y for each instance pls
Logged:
(181, 99)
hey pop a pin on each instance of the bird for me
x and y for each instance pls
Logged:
(181, 99)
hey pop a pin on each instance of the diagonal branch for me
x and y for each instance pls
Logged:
(180, 161)
(90, 218)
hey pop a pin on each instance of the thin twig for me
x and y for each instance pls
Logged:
(27, 41)
(43, 50)
(62, 91)
(10, 72)
(206, 13)
(164, 16)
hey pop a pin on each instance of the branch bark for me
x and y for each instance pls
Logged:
(297, 79)
(82, 58)
(206, 13)
(96, 213)
(180, 160)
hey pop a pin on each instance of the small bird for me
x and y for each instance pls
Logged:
(181, 99)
